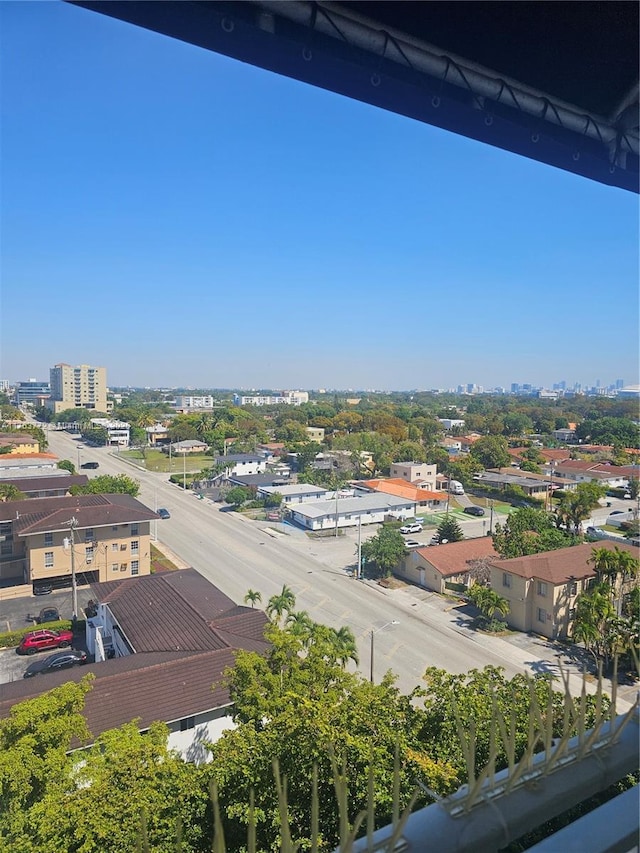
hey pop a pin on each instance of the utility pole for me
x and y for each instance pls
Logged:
(359, 567)
(73, 524)
(336, 530)
(184, 471)
(491, 520)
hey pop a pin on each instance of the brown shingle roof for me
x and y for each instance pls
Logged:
(452, 558)
(561, 565)
(39, 484)
(180, 611)
(149, 687)
(44, 515)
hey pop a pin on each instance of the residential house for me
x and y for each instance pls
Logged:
(189, 446)
(47, 487)
(585, 472)
(437, 566)
(411, 472)
(256, 481)
(108, 536)
(315, 434)
(451, 445)
(565, 435)
(18, 444)
(542, 588)
(157, 434)
(271, 449)
(239, 464)
(532, 485)
(370, 508)
(420, 497)
(295, 493)
(172, 636)
(451, 423)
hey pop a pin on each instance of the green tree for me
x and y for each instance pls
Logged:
(574, 507)
(238, 495)
(489, 603)
(252, 597)
(67, 465)
(107, 484)
(491, 451)
(450, 530)
(9, 492)
(384, 550)
(594, 613)
(283, 602)
(530, 531)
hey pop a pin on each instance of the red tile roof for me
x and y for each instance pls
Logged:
(561, 565)
(452, 558)
(400, 488)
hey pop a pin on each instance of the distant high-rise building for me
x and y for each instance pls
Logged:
(80, 387)
(4, 385)
(31, 392)
(619, 383)
(515, 387)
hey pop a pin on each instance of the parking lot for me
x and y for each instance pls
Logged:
(22, 613)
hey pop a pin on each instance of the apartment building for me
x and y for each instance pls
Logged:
(108, 536)
(79, 387)
(284, 398)
(190, 402)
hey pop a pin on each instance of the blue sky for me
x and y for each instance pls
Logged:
(187, 220)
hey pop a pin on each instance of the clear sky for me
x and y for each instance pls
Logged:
(187, 220)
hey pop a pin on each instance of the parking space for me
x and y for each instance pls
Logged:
(21, 612)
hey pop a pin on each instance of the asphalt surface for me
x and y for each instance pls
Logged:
(237, 554)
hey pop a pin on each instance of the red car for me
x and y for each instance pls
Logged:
(37, 641)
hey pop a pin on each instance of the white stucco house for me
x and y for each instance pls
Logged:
(370, 508)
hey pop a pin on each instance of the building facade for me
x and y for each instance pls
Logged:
(100, 537)
(284, 398)
(31, 392)
(79, 387)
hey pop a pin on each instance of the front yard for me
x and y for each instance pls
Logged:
(156, 460)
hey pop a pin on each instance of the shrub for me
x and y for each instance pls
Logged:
(13, 638)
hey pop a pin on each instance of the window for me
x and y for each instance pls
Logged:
(572, 614)
(134, 530)
(114, 567)
(115, 527)
(542, 589)
(573, 588)
(135, 546)
(88, 534)
(542, 615)
(114, 546)
(88, 554)
(48, 559)
(48, 539)
(187, 723)
(135, 567)
(6, 548)
(123, 546)
(506, 580)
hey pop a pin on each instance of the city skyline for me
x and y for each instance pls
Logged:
(187, 220)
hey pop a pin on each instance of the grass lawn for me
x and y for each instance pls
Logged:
(156, 460)
(160, 562)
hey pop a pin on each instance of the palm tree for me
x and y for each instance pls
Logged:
(285, 601)
(300, 624)
(488, 601)
(252, 596)
(346, 648)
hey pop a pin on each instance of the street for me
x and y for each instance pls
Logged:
(237, 554)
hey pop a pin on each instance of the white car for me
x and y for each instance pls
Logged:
(416, 527)
(595, 531)
(413, 543)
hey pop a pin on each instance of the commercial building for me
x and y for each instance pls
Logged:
(31, 392)
(189, 402)
(284, 398)
(79, 387)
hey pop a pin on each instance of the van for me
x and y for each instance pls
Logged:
(456, 487)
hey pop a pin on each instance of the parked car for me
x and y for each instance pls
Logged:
(90, 465)
(42, 588)
(54, 663)
(413, 543)
(164, 513)
(37, 641)
(473, 510)
(416, 527)
(595, 531)
(48, 614)
(617, 512)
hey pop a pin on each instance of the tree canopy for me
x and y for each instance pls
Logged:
(383, 552)
(530, 531)
(108, 484)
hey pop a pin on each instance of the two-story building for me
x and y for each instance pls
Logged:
(542, 588)
(414, 472)
(99, 537)
(162, 645)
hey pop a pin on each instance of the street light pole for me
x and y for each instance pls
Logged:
(374, 631)
(359, 567)
(184, 471)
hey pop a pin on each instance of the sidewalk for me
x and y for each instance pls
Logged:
(527, 652)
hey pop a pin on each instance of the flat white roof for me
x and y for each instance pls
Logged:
(295, 489)
(375, 502)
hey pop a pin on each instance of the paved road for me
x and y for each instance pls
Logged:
(237, 554)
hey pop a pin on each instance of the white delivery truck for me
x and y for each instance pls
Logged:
(456, 487)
